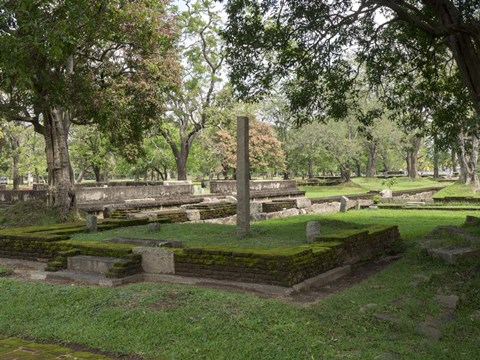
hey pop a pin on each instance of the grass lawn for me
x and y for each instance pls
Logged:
(266, 234)
(288, 231)
(183, 322)
(457, 189)
(363, 185)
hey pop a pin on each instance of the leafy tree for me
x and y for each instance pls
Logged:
(23, 150)
(81, 62)
(90, 151)
(191, 105)
(304, 148)
(266, 154)
(308, 45)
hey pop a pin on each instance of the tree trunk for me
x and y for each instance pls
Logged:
(181, 161)
(345, 172)
(80, 176)
(454, 161)
(60, 174)
(412, 156)
(463, 44)
(310, 167)
(372, 160)
(96, 171)
(15, 161)
(358, 168)
(37, 176)
(436, 172)
(468, 160)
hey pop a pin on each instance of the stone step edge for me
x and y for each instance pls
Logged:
(271, 290)
(322, 279)
(85, 278)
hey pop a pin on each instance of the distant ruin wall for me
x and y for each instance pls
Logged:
(12, 196)
(230, 186)
(121, 193)
(115, 194)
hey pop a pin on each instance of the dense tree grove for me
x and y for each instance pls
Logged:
(149, 89)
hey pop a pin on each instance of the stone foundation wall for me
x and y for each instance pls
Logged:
(292, 267)
(12, 196)
(230, 186)
(105, 195)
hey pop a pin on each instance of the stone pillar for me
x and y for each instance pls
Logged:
(314, 230)
(91, 223)
(343, 204)
(243, 178)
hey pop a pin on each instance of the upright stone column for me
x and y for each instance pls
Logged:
(243, 178)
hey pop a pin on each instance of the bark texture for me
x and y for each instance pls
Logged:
(60, 174)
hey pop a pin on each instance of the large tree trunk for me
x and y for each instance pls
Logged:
(372, 160)
(181, 161)
(97, 172)
(310, 167)
(468, 160)
(436, 172)
(181, 153)
(345, 172)
(454, 161)
(412, 156)
(80, 176)
(15, 144)
(464, 46)
(60, 174)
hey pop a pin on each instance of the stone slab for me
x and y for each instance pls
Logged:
(322, 279)
(91, 264)
(453, 256)
(270, 290)
(85, 278)
(156, 260)
(193, 215)
(303, 203)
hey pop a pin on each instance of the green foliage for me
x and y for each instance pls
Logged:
(389, 182)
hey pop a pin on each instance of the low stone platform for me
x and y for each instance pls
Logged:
(453, 256)
(91, 264)
(85, 278)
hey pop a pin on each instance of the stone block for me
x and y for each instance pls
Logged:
(314, 230)
(454, 256)
(343, 204)
(326, 208)
(156, 260)
(107, 212)
(303, 203)
(386, 194)
(472, 219)
(259, 217)
(358, 206)
(154, 227)
(193, 215)
(91, 223)
(256, 208)
(91, 264)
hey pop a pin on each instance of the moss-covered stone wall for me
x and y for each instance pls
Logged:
(287, 266)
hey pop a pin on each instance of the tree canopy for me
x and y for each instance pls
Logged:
(312, 49)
